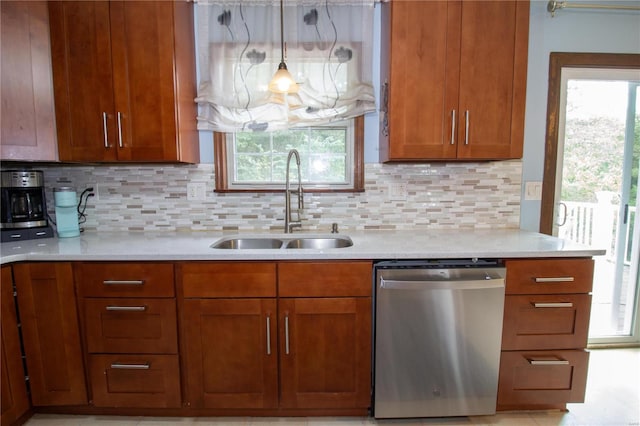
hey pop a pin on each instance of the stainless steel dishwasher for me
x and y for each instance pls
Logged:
(438, 331)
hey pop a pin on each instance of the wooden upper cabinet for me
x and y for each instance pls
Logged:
(124, 75)
(456, 79)
(27, 113)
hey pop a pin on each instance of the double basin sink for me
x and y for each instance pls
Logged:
(268, 242)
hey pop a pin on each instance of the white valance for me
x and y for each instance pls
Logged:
(328, 52)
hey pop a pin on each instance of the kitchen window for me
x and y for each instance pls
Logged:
(332, 158)
(328, 50)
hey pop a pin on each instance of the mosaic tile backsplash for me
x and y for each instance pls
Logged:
(439, 196)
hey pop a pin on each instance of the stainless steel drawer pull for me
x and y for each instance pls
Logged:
(104, 130)
(268, 335)
(453, 127)
(119, 117)
(548, 361)
(466, 127)
(286, 334)
(553, 279)
(123, 282)
(127, 308)
(552, 304)
(119, 366)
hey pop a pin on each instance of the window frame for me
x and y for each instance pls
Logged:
(222, 169)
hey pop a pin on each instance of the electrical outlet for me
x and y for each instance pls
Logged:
(196, 191)
(96, 191)
(398, 191)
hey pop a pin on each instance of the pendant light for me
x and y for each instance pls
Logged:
(282, 82)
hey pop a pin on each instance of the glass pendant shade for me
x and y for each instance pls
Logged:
(282, 81)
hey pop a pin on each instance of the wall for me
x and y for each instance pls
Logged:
(439, 196)
(571, 30)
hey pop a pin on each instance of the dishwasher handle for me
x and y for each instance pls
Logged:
(468, 284)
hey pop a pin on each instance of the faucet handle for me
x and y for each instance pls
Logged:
(334, 228)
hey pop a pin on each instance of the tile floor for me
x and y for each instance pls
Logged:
(613, 399)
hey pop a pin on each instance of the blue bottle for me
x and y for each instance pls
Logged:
(66, 204)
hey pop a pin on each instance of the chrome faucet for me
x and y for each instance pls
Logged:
(289, 223)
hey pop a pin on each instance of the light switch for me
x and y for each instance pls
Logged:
(533, 191)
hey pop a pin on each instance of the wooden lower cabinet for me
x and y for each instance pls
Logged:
(51, 334)
(542, 378)
(131, 333)
(145, 381)
(272, 347)
(232, 353)
(543, 362)
(13, 390)
(325, 352)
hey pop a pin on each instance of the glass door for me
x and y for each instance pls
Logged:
(596, 191)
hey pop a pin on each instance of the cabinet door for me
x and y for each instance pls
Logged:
(231, 353)
(423, 79)
(15, 401)
(28, 127)
(493, 62)
(325, 352)
(47, 305)
(143, 75)
(83, 84)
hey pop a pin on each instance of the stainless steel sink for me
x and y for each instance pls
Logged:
(319, 243)
(301, 242)
(248, 243)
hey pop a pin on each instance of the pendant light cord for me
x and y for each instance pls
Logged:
(282, 31)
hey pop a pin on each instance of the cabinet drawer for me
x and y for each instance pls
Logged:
(546, 321)
(549, 276)
(108, 279)
(131, 325)
(145, 381)
(324, 279)
(542, 378)
(227, 279)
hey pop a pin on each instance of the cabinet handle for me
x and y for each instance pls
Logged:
(119, 119)
(123, 282)
(268, 335)
(553, 279)
(127, 308)
(453, 127)
(286, 334)
(119, 366)
(552, 305)
(558, 361)
(466, 127)
(104, 130)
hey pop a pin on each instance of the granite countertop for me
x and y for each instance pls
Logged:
(373, 245)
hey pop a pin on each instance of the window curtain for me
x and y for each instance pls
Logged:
(328, 50)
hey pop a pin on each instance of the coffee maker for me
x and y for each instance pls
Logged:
(24, 206)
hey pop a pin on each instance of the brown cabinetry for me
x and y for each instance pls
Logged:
(124, 80)
(543, 362)
(51, 334)
(456, 79)
(27, 114)
(13, 390)
(130, 325)
(325, 334)
(276, 327)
